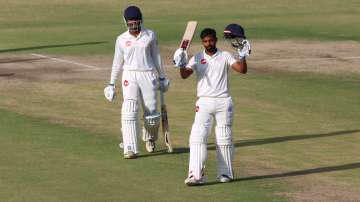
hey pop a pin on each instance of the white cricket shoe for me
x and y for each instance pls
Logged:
(130, 155)
(150, 146)
(192, 181)
(224, 178)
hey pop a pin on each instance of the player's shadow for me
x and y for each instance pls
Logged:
(50, 46)
(180, 150)
(245, 143)
(156, 153)
(13, 60)
(327, 169)
(6, 74)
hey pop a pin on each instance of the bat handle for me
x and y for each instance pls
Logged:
(162, 97)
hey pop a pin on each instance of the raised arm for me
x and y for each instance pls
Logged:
(243, 51)
(235, 35)
(240, 66)
(185, 72)
(180, 61)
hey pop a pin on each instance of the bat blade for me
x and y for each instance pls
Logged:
(165, 123)
(188, 35)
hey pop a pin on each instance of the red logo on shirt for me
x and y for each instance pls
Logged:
(203, 61)
(128, 43)
(126, 83)
(197, 108)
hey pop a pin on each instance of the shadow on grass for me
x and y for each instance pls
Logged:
(12, 60)
(310, 171)
(156, 153)
(245, 143)
(164, 152)
(51, 46)
(286, 138)
(6, 74)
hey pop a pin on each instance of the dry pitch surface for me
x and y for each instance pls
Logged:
(297, 56)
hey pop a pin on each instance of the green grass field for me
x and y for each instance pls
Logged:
(297, 135)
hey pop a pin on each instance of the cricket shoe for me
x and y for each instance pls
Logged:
(192, 181)
(130, 155)
(224, 178)
(150, 146)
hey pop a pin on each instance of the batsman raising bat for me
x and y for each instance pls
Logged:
(137, 54)
(214, 101)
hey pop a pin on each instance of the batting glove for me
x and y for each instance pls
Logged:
(244, 50)
(180, 58)
(110, 93)
(164, 84)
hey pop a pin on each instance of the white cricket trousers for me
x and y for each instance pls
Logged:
(137, 86)
(143, 85)
(207, 109)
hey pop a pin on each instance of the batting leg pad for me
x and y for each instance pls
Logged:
(151, 127)
(129, 122)
(224, 150)
(198, 151)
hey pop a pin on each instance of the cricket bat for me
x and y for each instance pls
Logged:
(185, 44)
(165, 123)
(188, 35)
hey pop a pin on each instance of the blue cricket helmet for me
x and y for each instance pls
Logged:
(132, 13)
(234, 31)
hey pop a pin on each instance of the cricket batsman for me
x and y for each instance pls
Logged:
(214, 101)
(137, 56)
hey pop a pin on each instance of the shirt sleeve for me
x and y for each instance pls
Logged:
(155, 54)
(192, 63)
(118, 62)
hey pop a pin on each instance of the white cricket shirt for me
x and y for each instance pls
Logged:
(212, 73)
(132, 53)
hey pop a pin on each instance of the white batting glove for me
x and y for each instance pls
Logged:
(245, 50)
(180, 58)
(110, 93)
(164, 84)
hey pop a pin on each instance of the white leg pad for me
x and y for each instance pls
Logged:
(129, 123)
(151, 127)
(224, 150)
(198, 150)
